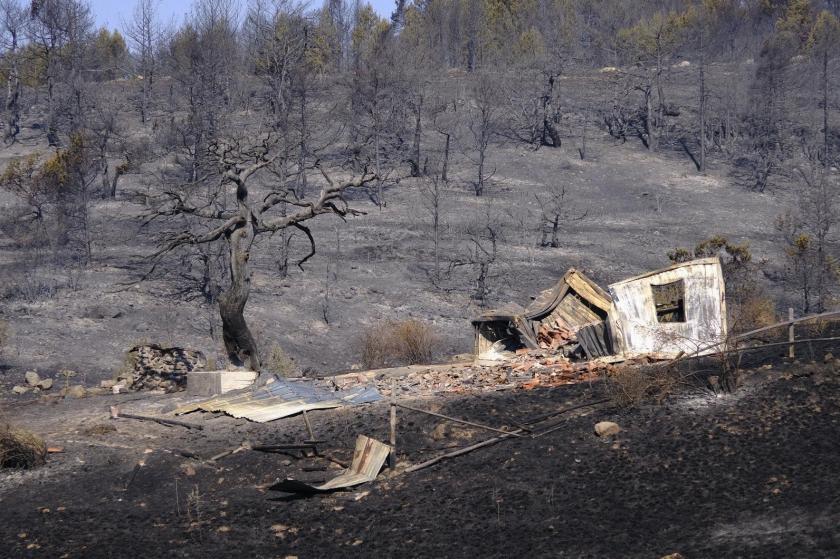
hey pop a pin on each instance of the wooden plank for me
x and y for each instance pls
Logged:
(392, 454)
(590, 291)
(574, 313)
(116, 414)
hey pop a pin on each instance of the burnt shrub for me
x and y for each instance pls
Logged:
(629, 386)
(20, 448)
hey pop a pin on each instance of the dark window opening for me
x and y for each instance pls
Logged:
(669, 299)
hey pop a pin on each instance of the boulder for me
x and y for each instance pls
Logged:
(606, 428)
(45, 383)
(20, 389)
(32, 378)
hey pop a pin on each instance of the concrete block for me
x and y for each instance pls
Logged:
(210, 383)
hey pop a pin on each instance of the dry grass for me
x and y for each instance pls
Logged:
(279, 363)
(4, 336)
(404, 342)
(20, 448)
(630, 386)
(753, 312)
(99, 429)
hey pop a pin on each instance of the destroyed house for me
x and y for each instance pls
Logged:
(662, 313)
(574, 311)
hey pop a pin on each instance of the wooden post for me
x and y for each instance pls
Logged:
(392, 456)
(791, 335)
(308, 426)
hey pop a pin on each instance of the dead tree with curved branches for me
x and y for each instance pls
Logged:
(251, 197)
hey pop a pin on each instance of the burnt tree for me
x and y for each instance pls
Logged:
(238, 212)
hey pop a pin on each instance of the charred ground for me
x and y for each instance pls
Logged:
(747, 475)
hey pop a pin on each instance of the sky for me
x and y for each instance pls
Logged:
(112, 13)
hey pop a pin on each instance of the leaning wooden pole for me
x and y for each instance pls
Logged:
(392, 455)
(791, 335)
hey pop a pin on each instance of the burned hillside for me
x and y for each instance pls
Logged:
(430, 278)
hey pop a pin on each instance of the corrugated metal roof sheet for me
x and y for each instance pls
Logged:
(282, 398)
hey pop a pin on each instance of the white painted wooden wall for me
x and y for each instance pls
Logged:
(636, 329)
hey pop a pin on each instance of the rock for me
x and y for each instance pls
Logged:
(20, 389)
(32, 378)
(45, 383)
(829, 357)
(606, 428)
(107, 383)
(75, 391)
(673, 556)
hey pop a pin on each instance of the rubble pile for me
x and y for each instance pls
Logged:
(457, 379)
(153, 367)
(556, 335)
(526, 369)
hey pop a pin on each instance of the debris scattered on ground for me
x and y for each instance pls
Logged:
(282, 398)
(526, 369)
(116, 414)
(607, 428)
(368, 460)
(20, 448)
(153, 367)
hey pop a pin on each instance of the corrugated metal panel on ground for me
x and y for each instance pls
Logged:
(282, 398)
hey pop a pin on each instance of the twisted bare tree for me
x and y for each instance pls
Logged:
(241, 207)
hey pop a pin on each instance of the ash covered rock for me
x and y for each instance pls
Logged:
(154, 367)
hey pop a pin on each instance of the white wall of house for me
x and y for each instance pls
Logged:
(637, 329)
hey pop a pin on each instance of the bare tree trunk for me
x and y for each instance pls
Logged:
(443, 172)
(702, 105)
(479, 187)
(118, 172)
(549, 130)
(555, 231)
(239, 342)
(649, 125)
(52, 131)
(13, 101)
(825, 107)
(418, 131)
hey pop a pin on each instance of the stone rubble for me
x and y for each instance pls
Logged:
(154, 367)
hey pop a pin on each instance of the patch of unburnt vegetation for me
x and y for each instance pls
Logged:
(748, 304)
(403, 342)
(279, 363)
